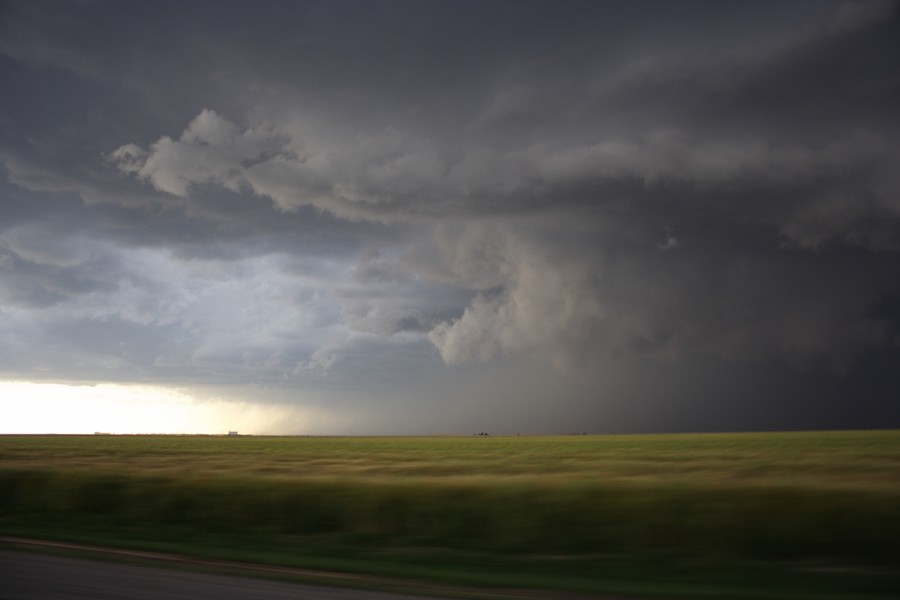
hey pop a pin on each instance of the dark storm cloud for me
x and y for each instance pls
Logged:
(338, 194)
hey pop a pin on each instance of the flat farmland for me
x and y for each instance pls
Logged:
(838, 459)
(828, 498)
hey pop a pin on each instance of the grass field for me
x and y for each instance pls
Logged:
(574, 512)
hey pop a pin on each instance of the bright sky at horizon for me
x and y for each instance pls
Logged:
(118, 409)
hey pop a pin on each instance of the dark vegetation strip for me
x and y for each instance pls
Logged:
(762, 522)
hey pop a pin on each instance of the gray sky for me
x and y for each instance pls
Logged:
(458, 216)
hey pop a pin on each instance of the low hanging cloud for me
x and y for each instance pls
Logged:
(371, 177)
(665, 300)
(540, 305)
(837, 189)
(210, 151)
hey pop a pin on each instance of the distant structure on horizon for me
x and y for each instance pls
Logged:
(232, 433)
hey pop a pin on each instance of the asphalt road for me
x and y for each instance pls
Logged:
(25, 576)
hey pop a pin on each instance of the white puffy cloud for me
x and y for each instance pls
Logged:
(368, 176)
(210, 151)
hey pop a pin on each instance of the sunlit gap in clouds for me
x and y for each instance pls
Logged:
(115, 408)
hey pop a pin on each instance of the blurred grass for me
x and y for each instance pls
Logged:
(815, 458)
(829, 498)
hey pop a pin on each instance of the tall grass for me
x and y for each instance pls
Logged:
(833, 495)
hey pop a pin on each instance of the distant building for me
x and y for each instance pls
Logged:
(232, 433)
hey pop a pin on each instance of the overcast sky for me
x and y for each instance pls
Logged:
(503, 216)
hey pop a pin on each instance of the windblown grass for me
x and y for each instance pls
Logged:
(823, 496)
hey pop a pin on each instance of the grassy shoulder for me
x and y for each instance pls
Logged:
(435, 571)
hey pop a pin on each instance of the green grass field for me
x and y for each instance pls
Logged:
(664, 514)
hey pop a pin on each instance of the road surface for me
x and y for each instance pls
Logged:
(25, 576)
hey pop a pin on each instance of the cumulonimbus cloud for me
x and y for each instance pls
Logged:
(630, 213)
(530, 295)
